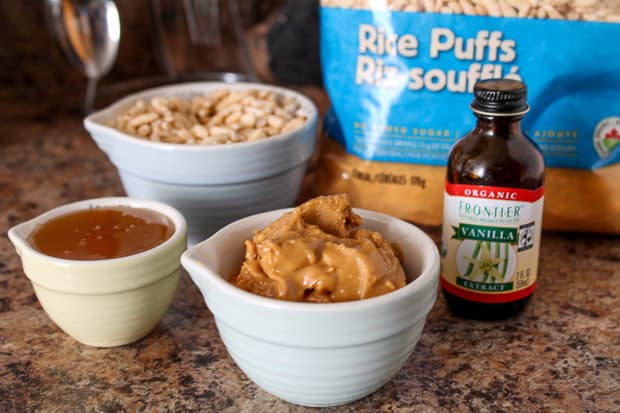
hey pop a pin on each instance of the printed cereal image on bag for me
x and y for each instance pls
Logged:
(400, 76)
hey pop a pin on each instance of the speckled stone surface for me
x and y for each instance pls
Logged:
(562, 354)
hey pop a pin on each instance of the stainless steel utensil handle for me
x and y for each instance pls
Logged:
(89, 95)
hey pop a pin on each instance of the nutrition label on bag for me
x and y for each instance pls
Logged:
(490, 242)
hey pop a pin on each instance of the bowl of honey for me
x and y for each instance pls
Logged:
(104, 270)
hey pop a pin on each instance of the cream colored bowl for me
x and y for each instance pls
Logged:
(317, 354)
(105, 303)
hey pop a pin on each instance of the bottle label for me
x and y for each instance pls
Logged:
(490, 242)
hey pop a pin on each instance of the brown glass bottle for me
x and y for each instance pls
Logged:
(495, 156)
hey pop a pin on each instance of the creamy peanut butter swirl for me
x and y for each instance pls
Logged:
(319, 253)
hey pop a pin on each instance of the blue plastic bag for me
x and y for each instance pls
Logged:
(400, 84)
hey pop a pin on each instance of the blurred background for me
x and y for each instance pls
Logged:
(161, 41)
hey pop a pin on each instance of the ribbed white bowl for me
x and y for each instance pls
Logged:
(211, 185)
(104, 303)
(317, 354)
(209, 207)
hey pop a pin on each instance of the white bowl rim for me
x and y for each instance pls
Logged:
(193, 266)
(180, 227)
(91, 121)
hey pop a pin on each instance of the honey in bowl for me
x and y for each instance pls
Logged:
(102, 233)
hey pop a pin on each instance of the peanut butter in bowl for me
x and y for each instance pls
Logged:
(319, 253)
(300, 325)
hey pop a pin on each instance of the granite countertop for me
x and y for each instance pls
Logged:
(561, 354)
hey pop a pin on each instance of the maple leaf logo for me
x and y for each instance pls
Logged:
(613, 134)
(607, 136)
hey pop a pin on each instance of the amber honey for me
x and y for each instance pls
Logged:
(102, 233)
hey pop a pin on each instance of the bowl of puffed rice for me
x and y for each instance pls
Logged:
(215, 151)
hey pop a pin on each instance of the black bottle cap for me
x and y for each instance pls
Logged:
(500, 97)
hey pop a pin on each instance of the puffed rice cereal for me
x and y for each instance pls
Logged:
(222, 117)
(589, 10)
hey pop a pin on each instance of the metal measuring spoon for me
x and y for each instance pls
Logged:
(89, 32)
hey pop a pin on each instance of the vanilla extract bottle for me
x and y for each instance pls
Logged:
(493, 204)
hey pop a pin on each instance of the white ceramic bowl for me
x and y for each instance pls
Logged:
(105, 303)
(317, 354)
(211, 185)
